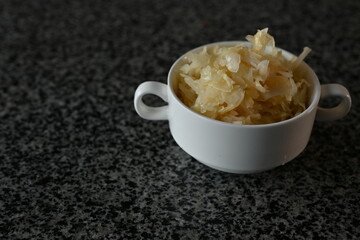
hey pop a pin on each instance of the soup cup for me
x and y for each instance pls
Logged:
(240, 148)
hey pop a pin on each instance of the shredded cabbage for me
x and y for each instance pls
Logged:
(244, 85)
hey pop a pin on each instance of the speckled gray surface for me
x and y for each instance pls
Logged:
(76, 162)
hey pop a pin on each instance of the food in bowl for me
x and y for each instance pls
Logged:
(247, 84)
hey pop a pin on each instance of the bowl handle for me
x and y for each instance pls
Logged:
(145, 111)
(340, 111)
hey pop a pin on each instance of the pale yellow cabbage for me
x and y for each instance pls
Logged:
(243, 85)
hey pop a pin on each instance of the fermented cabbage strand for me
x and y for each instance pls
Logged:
(243, 85)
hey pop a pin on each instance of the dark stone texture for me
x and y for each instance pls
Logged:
(76, 162)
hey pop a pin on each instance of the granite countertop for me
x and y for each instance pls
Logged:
(77, 162)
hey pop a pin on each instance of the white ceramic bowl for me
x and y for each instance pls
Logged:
(239, 148)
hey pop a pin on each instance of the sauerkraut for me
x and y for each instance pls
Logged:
(242, 84)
